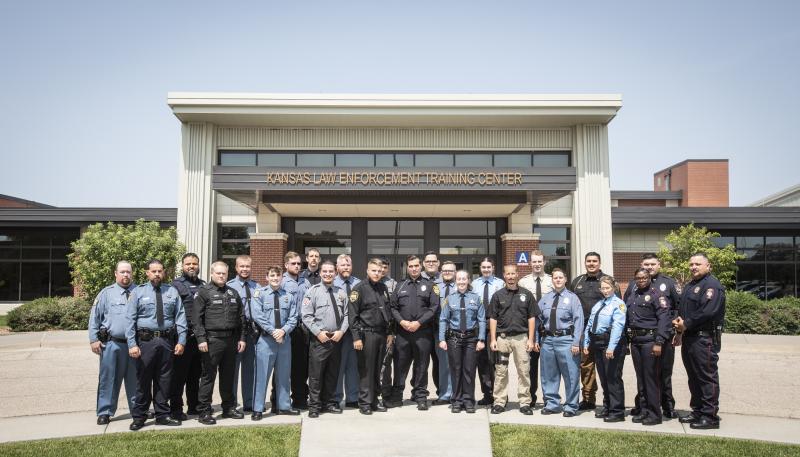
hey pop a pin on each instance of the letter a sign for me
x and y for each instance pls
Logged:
(522, 258)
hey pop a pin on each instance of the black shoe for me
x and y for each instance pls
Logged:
(393, 403)
(669, 414)
(497, 409)
(637, 419)
(470, 409)
(568, 414)
(547, 412)
(601, 413)
(455, 409)
(333, 409)
(300, 405)
(248, 410)
(168, 421)
(526, 410)
(422, 405)
(137, 424)
(103, 419)
(233, 413)
(651, 421)
(636, 411)
(486, 401)
(688, 419)
(179, 416)
(704, 423)
(256, 416)
(193, 412)
(365, 410)
(351, 404)
(379, 407)
(438, 402)
(289, 412)
(586, 406)
(313, 414)
(206, 419)
(614, 419)
(151, 415)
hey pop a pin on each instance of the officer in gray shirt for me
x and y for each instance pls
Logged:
(324, 313)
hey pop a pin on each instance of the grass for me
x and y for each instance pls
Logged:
(523, 440)
(4, 321)
(277, 440)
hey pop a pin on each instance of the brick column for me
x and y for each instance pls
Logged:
(624, 265)
(513, 243)
(267, 250)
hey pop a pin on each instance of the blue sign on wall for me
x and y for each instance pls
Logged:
(522, 258)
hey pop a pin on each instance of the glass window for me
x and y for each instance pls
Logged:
(467, 228)
(394, 245)
(749, 242)
(60, 279)
(322, 228)
(395, 228)
(384, 160)
(464, 246)
(355, 160)
(750, 278)
(35, 280)
(275, 159)
(560, 263)
(237, 159)
(552, 233)
(557, 159)
(314, 160)
(473, 160)
(722, 241)
(780, 280)
(9, 281)
(554, 249)
(512, 160)
(327, 246)
(433, 160)
(780, 248)
(404, 160)
(236, 232)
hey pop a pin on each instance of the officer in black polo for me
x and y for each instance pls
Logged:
(311, 273)
(219, 328)
(187, 368)
(699, 321)
(414, 306)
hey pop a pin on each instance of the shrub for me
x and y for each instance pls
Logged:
(744, 313)
(66, 313)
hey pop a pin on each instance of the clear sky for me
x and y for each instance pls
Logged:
(83, 84)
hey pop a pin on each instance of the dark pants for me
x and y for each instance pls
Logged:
(369, 368)
(667, 362)
(486, 361)
(534, 370)
(299, 376)
(153, 375)
(221, 356)
(462, 358)
(435, 366)
(610, 374)
(323, 372)
(700, 359)
(386, 373)
(648, 376)
(186, 372)
(416, 346)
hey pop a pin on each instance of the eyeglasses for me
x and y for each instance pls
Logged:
(448, 271)
(430, 261)
(295, 263)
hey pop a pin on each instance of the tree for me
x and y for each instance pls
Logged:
(679, 246)
(96, 253)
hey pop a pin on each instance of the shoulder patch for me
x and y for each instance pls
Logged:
(709, 293)
(256, 293)
(662, 301)
(522, 297)
(697, 289)
(622, 307)
(662, 287)
(353, 295)
(306, 300)
(436, 289)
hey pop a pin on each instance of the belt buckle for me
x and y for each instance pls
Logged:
(157, 333)
(502, 335)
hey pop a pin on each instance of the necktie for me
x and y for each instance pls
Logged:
(554, 314)
(247, 298)
(127, 294)
(335, 308)
(596, 316)
(347, 286)
(485, 293)
(277, 310)
(447, 290)
(538, 288)
(462, 316)
(159, 308)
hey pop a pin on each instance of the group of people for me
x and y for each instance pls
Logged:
(326, 337)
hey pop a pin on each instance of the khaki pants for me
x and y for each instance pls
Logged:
(517, 347)
(588, 380)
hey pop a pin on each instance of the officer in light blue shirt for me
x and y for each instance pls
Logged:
(485, 286)
(447, 285)
(601, 340)
(347, 385)
(107, 327)
(155, 320)
(244, 284)
(559, 342)
(275, 312)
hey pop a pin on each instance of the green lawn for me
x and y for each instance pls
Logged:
(3, 321)
(524, 440)
(277, 440)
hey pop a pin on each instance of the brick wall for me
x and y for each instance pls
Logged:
(510, 249)
(625, 263)
(266, 253)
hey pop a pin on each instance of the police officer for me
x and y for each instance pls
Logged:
(311, 273)
(648, 322)
(246, 287)
(414, 307)
(485, 286)
(604, 341)
(587, 288)
(445, 387)
(559, 340)
(369, 318)
(187, 368)
(699, 321)
(155, 319)
(275, 314)
(430, 271)
(219, 328)
(107, 339)
(296, 286)
(539, 283)
(512, 326)
(462, 332)
(324, 313)
(347, 382)
(388, 357)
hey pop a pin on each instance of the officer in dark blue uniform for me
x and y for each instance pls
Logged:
(699, 321)
(188, 367)
(155, 320)
(648, 330)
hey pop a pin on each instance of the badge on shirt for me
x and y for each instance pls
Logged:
(663, 302)
(697, 290)
(471, 301)
(307, 300)
(436, 289)
(522, 297)
(229, 291)
(622, 307)
(663, 287)
(566, 300)
(678, 288)
(256, 293)
(580, 287)
(647, 298)
(353, 295)
(422, 288)
(195, 294)
(709, 293)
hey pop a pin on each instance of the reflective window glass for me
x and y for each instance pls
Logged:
(322, 228)
(355, 160)
(780, 280)
(780, 248)
(9, 281)
(60, 279)
(314, 160)
(473, 160)
(466, 228)
(554, 249)
(35, 280)
(750, 278)
(394, 246)
(559, 159)
(512, 160)
(722, 241)
(749, 242)
(552, 233)
(464, 246)
(433, 160)
(237, 159)
(275, 159)
(395, 228)
(328, 246)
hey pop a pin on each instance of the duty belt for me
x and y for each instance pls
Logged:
(641, 331)
(599, 337)
(373, 330)
(473, 332)
(119, 340)
(219, 333)
(509, 334)
(562, 332)
(146, 334)
(706, 333)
